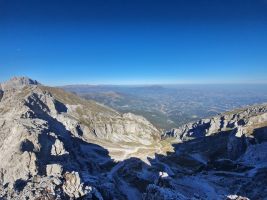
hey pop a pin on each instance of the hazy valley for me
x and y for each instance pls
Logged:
(169, 106)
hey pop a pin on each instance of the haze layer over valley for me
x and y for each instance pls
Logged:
(169, 106)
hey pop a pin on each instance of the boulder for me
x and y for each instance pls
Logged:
(58, 148)
(54, 170)
(74, 187)
(236, 197)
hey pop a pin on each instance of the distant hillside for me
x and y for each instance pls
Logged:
(170, 106)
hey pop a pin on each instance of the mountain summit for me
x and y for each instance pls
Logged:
(18, 82)
(56, 145)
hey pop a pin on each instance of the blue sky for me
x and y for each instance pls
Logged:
(133, 41)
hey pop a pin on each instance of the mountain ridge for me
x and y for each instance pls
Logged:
(56, 145)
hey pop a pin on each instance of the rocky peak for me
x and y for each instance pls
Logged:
(17, 83)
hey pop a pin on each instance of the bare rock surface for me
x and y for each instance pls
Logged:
(55, 145)
(18, 82)
(249, 118)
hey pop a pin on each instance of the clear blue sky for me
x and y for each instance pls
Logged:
(134, 41)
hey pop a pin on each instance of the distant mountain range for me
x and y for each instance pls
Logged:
(57, 145)
(169, 106)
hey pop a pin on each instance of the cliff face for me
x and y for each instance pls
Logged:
(248, 118)
(55, 145)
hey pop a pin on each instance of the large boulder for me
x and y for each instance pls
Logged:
(58, 148)
(54, 170)
(75, 188)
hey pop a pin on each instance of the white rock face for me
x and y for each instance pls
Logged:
(74, 187)
(58, 148)
(54, 170)
(236, 197)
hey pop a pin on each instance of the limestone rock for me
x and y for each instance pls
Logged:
(154, 192)
(248, 117)
(58, 148)
(54, 170)
(18, 82)
(74, 187)
(236, 197)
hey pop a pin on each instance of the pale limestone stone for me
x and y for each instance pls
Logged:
(54, 170)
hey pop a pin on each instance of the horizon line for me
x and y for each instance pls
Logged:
(150, 82)
(158, 84)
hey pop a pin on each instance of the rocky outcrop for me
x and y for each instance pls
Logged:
(58, 148)
(154, 192)
(74, 187)
(18, 82)
(236, 197)
(54, 170)
(248, 117)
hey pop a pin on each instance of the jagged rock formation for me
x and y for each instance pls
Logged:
(55, 145)
(249, 118)
(18, 82)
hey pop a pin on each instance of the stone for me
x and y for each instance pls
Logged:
(58, 148)
(74, 187)
(54, 170)
(236, 197)
(18, 83)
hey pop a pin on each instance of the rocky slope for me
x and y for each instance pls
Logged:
(248, 118)
(55, 145)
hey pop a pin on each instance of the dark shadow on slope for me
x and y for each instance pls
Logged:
(26, 145)
(60, 107)
(200, 155)
(1, 94)
(261, 134)
(19, 185)
(91, 161)
(211, 155)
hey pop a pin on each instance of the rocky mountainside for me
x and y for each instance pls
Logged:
(55, 145)
(248, 118)
(17, 82)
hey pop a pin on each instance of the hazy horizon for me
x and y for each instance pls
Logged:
(130, 83)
